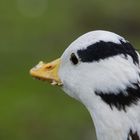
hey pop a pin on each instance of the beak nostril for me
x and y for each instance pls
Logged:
(49, 67)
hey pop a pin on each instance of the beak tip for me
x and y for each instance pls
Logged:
(31, 72)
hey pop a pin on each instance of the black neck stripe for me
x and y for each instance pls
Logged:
(102, 50)
(133, 135)
(121, 100)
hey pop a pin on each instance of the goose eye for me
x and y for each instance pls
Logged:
(74, 59)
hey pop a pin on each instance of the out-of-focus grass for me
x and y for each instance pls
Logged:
(31, 109)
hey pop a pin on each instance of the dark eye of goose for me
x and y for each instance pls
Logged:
(74, 59)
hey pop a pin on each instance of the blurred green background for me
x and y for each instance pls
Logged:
(34, 30)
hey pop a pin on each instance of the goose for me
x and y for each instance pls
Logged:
(101, 70)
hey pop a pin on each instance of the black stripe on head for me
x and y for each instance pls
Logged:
(103, 50)
(122, 99)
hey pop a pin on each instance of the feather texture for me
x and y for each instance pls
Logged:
(104, 74)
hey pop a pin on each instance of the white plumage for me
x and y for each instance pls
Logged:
(101, 70)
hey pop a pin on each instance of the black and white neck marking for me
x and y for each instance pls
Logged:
(133, 135)
(122, 99)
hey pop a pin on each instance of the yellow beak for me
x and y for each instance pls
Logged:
(47, 72)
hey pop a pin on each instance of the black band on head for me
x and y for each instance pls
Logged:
(103, 50)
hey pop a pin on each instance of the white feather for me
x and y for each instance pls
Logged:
(108, 75)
